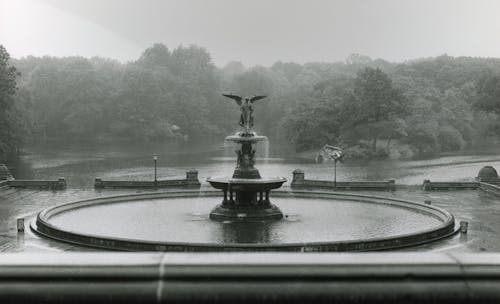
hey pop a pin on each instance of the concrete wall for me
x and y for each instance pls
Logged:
(58, 184)
(191, 181)
(4, 184)
(300, 182)
(247, 278)
(493, 181)
(428, 185)
(494, 189)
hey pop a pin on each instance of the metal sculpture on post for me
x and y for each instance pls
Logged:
(155, 159)
(329, 152)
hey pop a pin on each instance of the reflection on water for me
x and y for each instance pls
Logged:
(81, 164)
(187, 220)
(249, 232)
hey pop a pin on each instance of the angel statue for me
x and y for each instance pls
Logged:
(245, 103)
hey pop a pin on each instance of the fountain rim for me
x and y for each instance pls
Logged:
(240, 138)
(42, 226)
(246, 181)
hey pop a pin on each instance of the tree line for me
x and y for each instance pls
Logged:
(371, 108)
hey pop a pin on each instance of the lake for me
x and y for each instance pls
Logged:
(81, 164)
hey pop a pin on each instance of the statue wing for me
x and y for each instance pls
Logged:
(235, 97)
(255, 98)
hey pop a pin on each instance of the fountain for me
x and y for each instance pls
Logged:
(245, 220)
(246, 193)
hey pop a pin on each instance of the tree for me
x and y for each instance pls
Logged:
(488, 90)
(376, 106)
(156, 56)
(9, 136)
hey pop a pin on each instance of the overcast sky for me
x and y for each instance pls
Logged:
(253, 31)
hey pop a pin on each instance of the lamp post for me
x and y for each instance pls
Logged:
(155, 158)
(330, 152)
(335, 173)
(336, 155)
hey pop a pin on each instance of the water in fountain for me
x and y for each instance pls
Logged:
(264, 151)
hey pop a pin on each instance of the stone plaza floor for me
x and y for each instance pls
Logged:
(480, 209)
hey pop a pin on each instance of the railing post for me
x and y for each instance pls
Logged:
(98, 183)
(61, 183)
(392, 185)
(298, 175)
(464, 226)
(192, 176)
(427, 185)
(20, 225)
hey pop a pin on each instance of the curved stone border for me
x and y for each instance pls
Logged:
(43, 226)
(490, 188)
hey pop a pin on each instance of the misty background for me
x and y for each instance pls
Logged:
(380, 78)
(254, 32)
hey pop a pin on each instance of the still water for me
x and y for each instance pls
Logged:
(187, 220)
(81, 164)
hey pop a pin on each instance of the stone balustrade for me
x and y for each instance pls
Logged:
(492, 181)
(490, 188)
(4, 183)
(191, 181)
(299, 181)
(58, 184)
(428, 185)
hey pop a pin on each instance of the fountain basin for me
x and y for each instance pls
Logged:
(179, 221)
(246, 184)
(242, 137)
(250, 201)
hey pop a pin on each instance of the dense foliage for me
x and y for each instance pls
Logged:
(370, 107)
(11, 129)
(416, 108)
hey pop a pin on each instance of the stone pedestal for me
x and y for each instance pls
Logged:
(298, 176)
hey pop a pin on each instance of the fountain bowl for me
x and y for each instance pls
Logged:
(240, 184)
(242, 137)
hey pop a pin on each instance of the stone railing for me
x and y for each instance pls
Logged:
(492, 181)
(299, 181)
(58, 184)
(4, 183)
(247, 278)
(191, 181)
(5, 173)
(494, 189)
(428, 185)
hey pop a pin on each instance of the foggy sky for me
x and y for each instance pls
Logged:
(253, 31)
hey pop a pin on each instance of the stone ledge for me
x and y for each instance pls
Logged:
(191, 181)
(490, 188)
(428, 185)
(299, 182)
(237, 277)
(59, 184)
(389, 185)
(4, 183)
